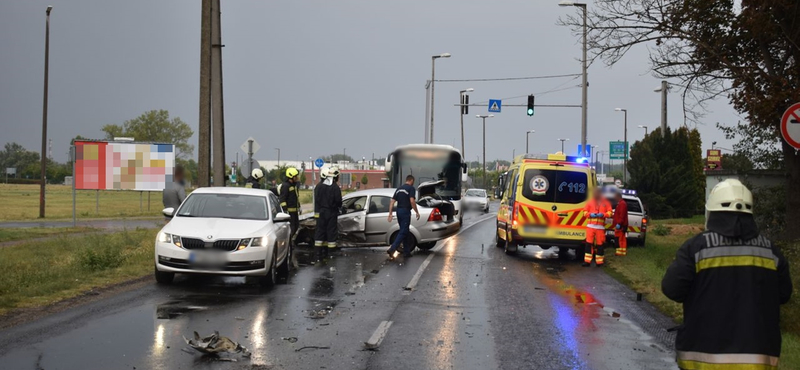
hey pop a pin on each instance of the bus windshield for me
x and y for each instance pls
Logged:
(427, 165)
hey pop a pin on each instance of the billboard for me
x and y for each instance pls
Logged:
(713, 159)
(123, 165)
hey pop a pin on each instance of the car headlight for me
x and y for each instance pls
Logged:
(164, 237)
(260, 242)
(170, 238)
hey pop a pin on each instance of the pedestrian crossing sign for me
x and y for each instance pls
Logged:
(495, 105)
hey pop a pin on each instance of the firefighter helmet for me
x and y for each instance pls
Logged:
(333, 171)
(257, 173)
(291, 172)
(730, 196)
(323, 173)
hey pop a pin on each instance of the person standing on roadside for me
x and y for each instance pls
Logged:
(405, 198)
(621, 224)
(175, 192)
(289, 196)
(731, 281)
(597, 210)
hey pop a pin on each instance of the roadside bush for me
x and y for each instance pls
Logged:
(769, 210)
(102, 258)
(662, 230)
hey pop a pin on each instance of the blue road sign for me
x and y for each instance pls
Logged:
(495, 105)
(319, 162)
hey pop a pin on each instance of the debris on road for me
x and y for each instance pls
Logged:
(311, 347)
(290, 339)
(215, 344)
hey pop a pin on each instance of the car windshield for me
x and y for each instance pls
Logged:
(235, 206)
(476, 193)
(553, 186)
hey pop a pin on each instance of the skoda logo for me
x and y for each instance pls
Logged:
(210, 236)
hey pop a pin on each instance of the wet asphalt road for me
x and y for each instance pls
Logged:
(473, 308)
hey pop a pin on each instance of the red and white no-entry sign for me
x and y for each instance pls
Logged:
(790, 125)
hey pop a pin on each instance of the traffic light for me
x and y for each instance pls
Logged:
(465, 104)
(530, 105)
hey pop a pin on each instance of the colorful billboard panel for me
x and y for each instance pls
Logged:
(123, 166)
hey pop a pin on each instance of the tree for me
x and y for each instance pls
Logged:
(156, 126)
(26, 162)
(745, 51)
(364, 179)
(670, 185)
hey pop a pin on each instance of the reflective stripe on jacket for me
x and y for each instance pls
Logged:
(597, 207)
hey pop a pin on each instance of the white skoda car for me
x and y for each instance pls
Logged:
(225, 231)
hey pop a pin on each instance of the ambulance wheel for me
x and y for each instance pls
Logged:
(511, 248)
(499, 242)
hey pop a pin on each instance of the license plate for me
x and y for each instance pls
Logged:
(207, 259)
(535, 229)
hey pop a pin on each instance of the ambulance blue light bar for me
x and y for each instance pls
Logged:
(630, 192)
(554, 157)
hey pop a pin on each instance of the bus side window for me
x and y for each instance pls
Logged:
(512, 183)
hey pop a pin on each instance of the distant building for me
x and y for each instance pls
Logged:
(351, 179)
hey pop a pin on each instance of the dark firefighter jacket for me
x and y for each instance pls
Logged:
(731, 281)
(251, 182)
(290, 197)
(329, 197)
(317, 197)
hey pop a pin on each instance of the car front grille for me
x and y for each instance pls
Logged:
(230, 266)
(228, 245)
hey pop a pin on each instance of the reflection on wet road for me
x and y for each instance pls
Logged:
(473, 308)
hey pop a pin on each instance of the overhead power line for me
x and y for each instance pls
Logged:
(511, 78)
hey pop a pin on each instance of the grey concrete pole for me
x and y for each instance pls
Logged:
(217, 111)
(204, 117)
(585, 84)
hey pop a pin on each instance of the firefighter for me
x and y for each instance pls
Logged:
(620, 223)
(731, 281)
(596, 210)
(329, 202)
(290, 198)
(254, 180)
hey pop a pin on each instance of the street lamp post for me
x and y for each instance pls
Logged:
(585, 83)
(663, 89)
(44, 113)
(527, 136)
(433, 83)
(645, 129)
(625, 144)
(279, 156)
(562, 144)
(595, 155)
(461, 97)
(484, 117)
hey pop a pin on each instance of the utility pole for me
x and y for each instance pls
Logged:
(44, 113)
(217, 110)
(527, 137)
(664, 90)
(427, 111)
(204, 117)
(484, 117)
(249, 158)
(433, 83)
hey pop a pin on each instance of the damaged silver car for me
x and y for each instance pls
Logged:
(363, 219)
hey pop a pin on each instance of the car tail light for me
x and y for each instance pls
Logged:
(435, 215)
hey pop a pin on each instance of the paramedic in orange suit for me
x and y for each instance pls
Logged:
(596, 210)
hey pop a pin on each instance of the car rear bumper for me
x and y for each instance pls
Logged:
(251, 261)
(435, 231)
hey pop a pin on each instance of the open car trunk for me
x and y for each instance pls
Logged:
(427, 197)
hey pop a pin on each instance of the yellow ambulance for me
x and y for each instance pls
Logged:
(542, 200)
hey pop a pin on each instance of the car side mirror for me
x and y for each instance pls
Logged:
(282, 217)
(168, 212)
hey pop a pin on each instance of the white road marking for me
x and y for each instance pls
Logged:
(414, 280)
(377, 337)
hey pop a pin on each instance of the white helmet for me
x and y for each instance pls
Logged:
(730, 196)
(257, 173)
(333, 171)
(323, 173)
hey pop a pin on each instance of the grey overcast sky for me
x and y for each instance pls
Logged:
(315, 77)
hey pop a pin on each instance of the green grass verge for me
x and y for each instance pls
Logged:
(643, 268)
(39, 273)
(9, 234)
